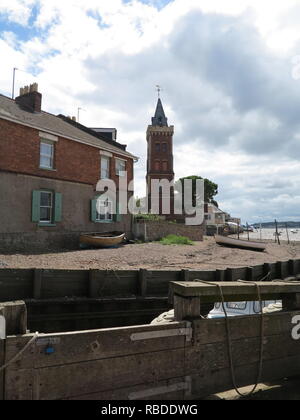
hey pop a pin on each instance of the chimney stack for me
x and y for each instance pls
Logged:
(30, 99)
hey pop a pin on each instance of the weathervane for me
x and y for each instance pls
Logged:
(159, 89)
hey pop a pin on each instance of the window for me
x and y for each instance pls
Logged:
(157, 147)
(120, 167)
(47, 154)
(164, 147)
(237, 305)
(104, 211)
(157, 165)
(105, 168)
(46, 207)
(165, 166)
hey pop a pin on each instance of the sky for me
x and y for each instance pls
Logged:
(229, 70)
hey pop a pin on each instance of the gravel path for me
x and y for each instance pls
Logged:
(203, 255)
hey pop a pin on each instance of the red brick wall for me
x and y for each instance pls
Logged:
(77, 162)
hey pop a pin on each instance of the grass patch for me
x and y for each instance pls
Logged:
(176, 240)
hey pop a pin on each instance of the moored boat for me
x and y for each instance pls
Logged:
(240, 243)
(102, 240)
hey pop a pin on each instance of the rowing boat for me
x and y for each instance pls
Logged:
(240, 243)
(102, 240)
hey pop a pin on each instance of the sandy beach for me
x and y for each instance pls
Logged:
(205, 255)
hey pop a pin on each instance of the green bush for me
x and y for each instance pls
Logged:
(176, 240)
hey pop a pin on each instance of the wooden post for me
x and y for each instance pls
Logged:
(37, 284)
(187, 308)
(143, 276)
(277, 233)
(184, 276)
(93, 284)
(15, 314)
(287, 232)
(248, 232)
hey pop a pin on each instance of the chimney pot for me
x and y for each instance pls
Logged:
(30, 99)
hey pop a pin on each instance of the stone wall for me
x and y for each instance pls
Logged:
(155, 230)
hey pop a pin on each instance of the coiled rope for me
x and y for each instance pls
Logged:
(17, 356)
(229, 340)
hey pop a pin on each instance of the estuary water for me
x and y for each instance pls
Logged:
(268, 234)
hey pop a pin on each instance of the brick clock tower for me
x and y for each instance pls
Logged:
(160, 153)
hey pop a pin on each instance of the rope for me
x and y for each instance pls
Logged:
(14, 359)
(229, 341)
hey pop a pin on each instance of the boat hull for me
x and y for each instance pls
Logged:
(239, 243)
(99, 240)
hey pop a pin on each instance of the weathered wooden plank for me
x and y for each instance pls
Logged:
(91, 345)
(158, 282)
(15, 284)
(214, 330)
(117, 283)
(61, 382)
(49, 316)
(187, 308)
(202, 359)
(234, 290)
(15, 314)
(220, 380)
(161, 390)
(143, 282)
(203, 275)
(62, 283)
(19, 384)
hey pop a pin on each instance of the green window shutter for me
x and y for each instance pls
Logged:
(94, 210)
(58, 208)
(36, 202)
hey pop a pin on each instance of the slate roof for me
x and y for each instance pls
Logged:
(160, 116)
(57, 125)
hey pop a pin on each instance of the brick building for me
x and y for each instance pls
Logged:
(160, 164)
(49, 169)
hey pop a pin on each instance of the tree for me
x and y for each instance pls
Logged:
(210, 188)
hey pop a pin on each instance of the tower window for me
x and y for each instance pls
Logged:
(157, 147)
(164, 147)
(165, 165)
(157, 165)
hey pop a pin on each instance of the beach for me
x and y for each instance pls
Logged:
(206, 255)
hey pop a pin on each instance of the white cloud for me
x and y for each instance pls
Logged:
(18, 11)
(226, 75)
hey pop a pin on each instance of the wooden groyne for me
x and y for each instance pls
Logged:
(183, 360)
(74, 300)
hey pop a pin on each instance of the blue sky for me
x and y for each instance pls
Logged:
(230, 73)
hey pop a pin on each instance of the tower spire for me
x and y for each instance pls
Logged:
(160, 118)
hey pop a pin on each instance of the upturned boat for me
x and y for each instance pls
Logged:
(240, 243)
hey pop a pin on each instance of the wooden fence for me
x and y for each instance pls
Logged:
(182, 360)
(54, 284)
